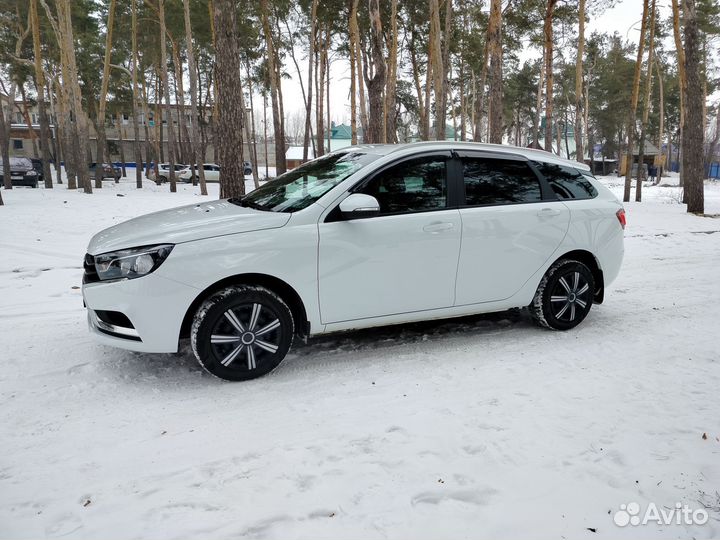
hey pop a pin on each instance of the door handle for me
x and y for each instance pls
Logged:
(438, 227)
(548, 212)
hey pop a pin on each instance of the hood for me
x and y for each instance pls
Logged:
(185, 224)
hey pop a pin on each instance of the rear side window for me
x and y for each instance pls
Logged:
(499, 181)
(566, 182)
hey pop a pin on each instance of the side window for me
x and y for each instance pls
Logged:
(566, 182)
(412, 186)
(499, 181)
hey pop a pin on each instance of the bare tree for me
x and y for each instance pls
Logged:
(391, 84)
(494, 44)
(166, 89)
(102, 149)
(579, 150)
(193, 101)
(229, 121)
(548, 41)
(632, 117)
(646, 106)
(136, 112)
(376, 81)
(311, 58)
(40, 87)
(694, 127)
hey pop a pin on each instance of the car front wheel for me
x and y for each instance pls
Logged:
(564, 296)
(242, 332)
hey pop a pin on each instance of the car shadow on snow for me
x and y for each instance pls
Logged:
(350, 349)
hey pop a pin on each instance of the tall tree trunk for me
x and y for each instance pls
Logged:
(57, 138)
(646, 107)
(353, 29)
(480, 96)
(79, 137)
(327, 90)
(361, 85)
(166, 90)
(272, 56)
(135, 111)
(192, 70)
(186, 154)
(548, 33)
(445, 56)
(694, 129)
(376, 83)
(579, 150)
(5, 144)
(391, 85)
(632, 118)
(661, 89)
(311, 58)
(435, 59)
(538, 105)
(102, 148)
(494, 43)
(121, 144)
(423, 114)
(681, 72)
(228, 131)
(250, 130)
(321, 53)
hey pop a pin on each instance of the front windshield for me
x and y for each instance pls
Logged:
(299, 188)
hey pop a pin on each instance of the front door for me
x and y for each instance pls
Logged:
(400, 261)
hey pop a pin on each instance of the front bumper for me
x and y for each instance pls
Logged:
(155, 305)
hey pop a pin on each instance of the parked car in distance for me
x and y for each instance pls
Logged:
(164, 171)
(38, 166)
(109, 171)
(366, 236)
(212, 172)
(22, 172)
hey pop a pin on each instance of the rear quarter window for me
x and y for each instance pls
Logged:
(567, 182)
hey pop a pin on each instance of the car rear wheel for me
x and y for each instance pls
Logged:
(564, 296)
(242, 332)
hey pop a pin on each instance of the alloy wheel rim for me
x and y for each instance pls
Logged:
(569, 297)
(245, 336)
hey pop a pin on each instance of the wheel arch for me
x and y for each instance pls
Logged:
(589, 260)
(276, 285)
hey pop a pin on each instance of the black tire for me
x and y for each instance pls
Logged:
(35, 185)
(162, 179)
(233, 314)
(564, 296)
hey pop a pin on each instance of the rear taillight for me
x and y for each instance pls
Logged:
(621, 217)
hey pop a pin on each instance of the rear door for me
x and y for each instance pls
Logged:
(512, 223)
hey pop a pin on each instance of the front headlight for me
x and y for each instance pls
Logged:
(131, 263)
(31, 173)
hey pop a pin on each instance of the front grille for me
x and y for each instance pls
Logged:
(90, 275)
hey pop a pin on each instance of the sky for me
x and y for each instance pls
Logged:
(623, 18)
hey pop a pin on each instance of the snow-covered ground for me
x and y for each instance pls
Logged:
(483, 427)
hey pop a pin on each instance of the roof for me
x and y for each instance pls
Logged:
(650, 150)
(527, 153)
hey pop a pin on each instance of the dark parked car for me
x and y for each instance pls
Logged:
(109, 171)
(22, 172)
(38, 166)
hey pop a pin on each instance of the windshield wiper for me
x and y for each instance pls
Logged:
(246, 203)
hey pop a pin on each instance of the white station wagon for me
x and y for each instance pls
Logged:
(365, 236)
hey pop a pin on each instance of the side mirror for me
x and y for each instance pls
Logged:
(359, 205)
